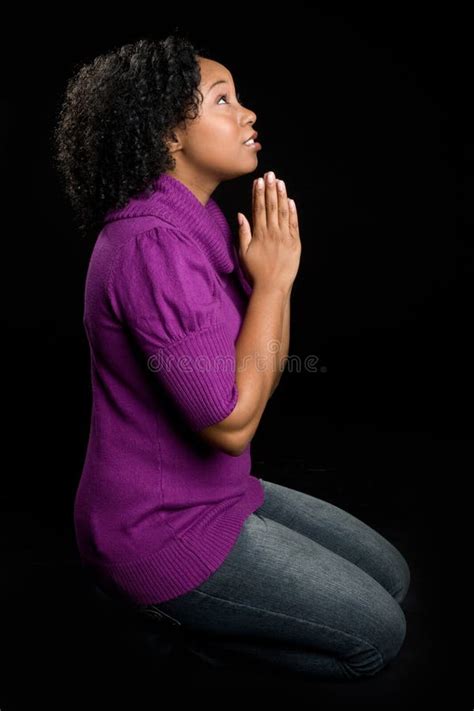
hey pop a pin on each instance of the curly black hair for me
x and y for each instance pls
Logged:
(118, 111)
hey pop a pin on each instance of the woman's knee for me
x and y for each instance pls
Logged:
(392, 571)
(381, 645)
(393, 632)
(404, 578)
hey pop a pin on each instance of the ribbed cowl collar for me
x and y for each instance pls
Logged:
(173, 202)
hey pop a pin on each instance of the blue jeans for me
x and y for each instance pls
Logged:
(306, 588)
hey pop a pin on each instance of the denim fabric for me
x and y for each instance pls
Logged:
(307, 587)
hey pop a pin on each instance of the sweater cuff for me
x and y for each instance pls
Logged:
(199, 373)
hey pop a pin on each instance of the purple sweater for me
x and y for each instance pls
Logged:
(157, 510)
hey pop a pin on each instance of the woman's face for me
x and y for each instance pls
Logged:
(210, 148)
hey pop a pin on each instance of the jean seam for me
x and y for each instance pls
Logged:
(299, 619)
(161, 613)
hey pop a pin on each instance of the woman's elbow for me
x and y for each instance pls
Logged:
(220, 437)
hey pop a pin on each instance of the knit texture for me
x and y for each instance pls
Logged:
(157, 509)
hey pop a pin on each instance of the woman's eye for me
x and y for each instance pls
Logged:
(225, 96)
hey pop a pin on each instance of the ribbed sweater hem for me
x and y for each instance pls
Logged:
(185, 562)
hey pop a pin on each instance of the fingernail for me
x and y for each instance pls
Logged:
(260, 183)
(271, 176)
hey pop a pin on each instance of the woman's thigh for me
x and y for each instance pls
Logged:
(340, 532)
(282, 590)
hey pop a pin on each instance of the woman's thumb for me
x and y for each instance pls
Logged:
(245, 234)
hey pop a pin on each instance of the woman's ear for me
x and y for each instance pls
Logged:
(174, 142)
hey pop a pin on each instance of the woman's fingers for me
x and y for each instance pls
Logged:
(270, 206)
(259, 211)
(293, 221)
(283, 208)
(271, 200)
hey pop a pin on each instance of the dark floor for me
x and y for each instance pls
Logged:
(63, 650)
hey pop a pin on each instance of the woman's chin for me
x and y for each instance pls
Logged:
(244, 168)
(252, 163)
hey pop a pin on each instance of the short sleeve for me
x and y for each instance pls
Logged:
(164, 290)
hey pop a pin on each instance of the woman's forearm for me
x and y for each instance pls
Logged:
(259, 349)
(285, 343)
(262, 342)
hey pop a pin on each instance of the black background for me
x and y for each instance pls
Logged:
(366, 115)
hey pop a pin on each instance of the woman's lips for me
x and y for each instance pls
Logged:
(255, 146)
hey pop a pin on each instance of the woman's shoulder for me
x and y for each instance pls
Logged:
(162, 259)
(151, 240)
